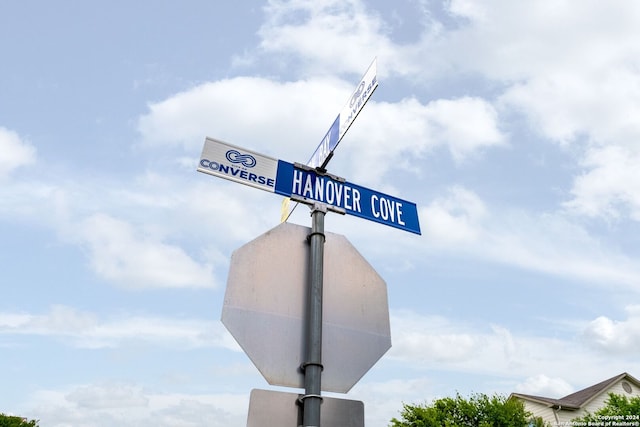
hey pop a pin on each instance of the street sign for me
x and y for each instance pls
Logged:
(275, 408)
(303, 184)
(308, 186)
(265, 301)
(237, 164)
(340, 125)
(347, 115)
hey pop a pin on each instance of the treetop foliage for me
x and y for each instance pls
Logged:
(12, 421)
(479, 410)
(615, 406)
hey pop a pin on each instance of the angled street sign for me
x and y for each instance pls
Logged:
(342, 123)
(347, 115)
(305, 185)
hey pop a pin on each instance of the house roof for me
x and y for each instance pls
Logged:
(580, 398)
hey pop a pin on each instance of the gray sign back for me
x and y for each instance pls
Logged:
(274, 408)
(265, 302)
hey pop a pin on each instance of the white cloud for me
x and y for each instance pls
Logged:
(456, 218)
(577, 76)
(610, 186)
(475, 11)
(569, 105)
(130, 405)
(556, 245)
(463, 125)
(14, 152)
(110, 395)
(615, 336)
(398, 136)
(248, 111)
(135, 231)
(546, 365)
(87, 330)
(330, 36)
(495, 37)
(60, 320)
(577, 82)
(120, 254)
(460, 221)
(542, 385)
(491, 37)
(195, 411)
(431, 339)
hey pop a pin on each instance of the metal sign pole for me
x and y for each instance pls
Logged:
(312, 399)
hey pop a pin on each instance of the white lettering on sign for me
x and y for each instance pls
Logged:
(326, 191)
(388, 210)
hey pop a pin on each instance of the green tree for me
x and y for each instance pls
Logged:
(11, 421)
(615, 405)
(479, 410)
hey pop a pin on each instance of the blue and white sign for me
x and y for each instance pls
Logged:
(352, 198)
(238, 164)
(349, 112)
(276, 176)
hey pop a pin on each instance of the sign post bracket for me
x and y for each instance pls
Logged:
(311, 202)
(318, 171)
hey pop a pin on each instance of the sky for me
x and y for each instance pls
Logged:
(513, 126)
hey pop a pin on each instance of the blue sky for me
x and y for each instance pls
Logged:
(513, 127)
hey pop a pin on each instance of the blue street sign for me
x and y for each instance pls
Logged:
(292, 181)
(304, 184)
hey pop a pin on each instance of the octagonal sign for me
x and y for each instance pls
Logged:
(265, 302)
